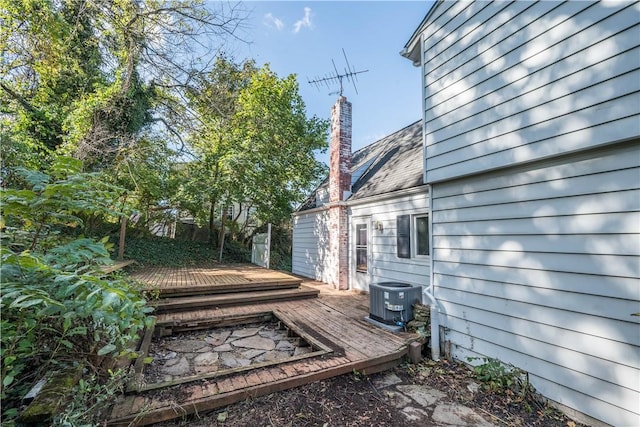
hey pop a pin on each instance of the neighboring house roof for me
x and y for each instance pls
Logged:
(390, 164)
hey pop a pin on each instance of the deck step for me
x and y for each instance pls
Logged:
(195, 302)
(159, 411)
(194, 289)
(212, 279)
(334, 320)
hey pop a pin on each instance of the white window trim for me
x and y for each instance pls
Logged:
(228, 212)
(414, 236)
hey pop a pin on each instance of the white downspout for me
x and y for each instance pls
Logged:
(429, 291)
(429, 294)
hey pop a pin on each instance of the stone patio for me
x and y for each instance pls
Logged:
(218, 349)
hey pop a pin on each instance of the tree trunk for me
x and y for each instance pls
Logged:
(123, 232)
(221, 239)
(212, 210)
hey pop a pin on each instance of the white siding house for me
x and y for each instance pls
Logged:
(310, 243)
(386, 184)
(381, 216)
(532, 155)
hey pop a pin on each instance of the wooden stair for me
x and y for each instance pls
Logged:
(195, 289)
(217, 286)
(230, 299)
(356, 346)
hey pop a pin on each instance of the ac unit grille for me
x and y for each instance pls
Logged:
(392, 302)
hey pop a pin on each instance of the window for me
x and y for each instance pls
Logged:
(414, 235)
(228, 212)
(361, 248)
(403, 226)
(422, 235)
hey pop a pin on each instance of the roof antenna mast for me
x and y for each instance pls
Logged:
(335, 77)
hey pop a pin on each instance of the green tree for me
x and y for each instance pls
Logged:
(214, 98)
(255, 143)
(89, 78)
(49, 58)
(100, 80)
(275, 143)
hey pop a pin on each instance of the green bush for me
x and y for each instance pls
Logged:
(52, 318)
(180, 253)
(497, 376)
(167, 252)
(280, 260)
(58, 309)
(236, 252)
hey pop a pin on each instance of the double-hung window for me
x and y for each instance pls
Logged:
(412, 237)
(361, 248)
(421, 235)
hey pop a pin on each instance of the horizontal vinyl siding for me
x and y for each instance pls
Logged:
(384, 263)
(310, 245)
(514, 82)
(539, 266)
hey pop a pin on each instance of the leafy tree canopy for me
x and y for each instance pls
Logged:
(254, 143)
(88, 78)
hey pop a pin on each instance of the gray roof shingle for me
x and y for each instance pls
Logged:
(390, 164)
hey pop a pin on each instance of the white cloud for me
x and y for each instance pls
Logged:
(271, 21)
(304, 22)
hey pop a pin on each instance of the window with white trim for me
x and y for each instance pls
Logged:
(228, 212)
(421, 235)
(412, 236)
(361, 248)
(403, 236)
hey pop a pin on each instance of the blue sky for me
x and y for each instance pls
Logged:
(303, 37)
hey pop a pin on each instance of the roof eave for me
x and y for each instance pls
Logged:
(411, 49)
(412, 53)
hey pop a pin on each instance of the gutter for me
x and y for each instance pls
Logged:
(415, 42)
(378, 197)
(385, 196)
(318, 209)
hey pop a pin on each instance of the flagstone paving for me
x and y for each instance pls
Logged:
(427, 406)
(200, 352)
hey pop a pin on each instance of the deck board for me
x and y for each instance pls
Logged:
(212, 278)
(194, 302)
(334, 317)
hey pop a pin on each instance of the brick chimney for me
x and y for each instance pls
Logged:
(339, 190)
(340, 151)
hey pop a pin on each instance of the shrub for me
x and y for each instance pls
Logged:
(57, 308)
(179, 253)
(167, 252)
(498, 376)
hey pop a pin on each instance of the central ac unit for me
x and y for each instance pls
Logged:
(392, 302)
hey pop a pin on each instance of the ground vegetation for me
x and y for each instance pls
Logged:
(361, 400)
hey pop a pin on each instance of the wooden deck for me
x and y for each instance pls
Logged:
(219, 300)
(335, 318)
(213, 278)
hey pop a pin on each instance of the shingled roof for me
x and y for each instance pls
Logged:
(390, 164)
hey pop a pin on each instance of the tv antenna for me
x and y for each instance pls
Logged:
(335, 77)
